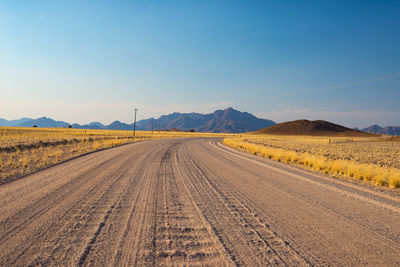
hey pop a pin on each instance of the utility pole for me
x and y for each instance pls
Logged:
(134, 123)
(152, 126)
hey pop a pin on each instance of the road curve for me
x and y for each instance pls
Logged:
(196, 202)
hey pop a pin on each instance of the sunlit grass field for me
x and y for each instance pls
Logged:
(374, 159)
(25, 150)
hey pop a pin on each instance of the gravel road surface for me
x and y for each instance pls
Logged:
(195, 202)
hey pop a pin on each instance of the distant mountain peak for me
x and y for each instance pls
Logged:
(228, 120)
(389, 130)
(44, 122)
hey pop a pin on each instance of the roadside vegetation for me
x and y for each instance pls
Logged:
(373, 159)
(25, 150)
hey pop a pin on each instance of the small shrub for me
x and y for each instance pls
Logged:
(380, 180)
(394, 180)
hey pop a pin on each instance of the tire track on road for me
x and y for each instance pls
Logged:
(246, 234)
(64, 219)
(181, 236)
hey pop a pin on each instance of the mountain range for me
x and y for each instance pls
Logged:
(390, 130)
(220, 121)
(227, 121)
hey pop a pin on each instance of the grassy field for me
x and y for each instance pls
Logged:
(375, 159)
(24, 150)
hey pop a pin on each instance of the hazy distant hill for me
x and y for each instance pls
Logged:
(372, 129)
(306, 127)
(92, 125)
(4, 122)
(117, 125)
(221, 121)
(390, 130)
(43, 122)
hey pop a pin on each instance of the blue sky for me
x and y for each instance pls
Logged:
(83, 61)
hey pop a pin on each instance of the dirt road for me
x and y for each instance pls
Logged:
(170, 202)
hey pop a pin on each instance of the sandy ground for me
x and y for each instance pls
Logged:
(194, 202)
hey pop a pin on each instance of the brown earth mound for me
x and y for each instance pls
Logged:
(306, 127)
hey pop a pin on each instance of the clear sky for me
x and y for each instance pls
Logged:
(82, 61)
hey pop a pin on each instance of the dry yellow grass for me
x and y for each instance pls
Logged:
(24, 150)
(370, 159)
